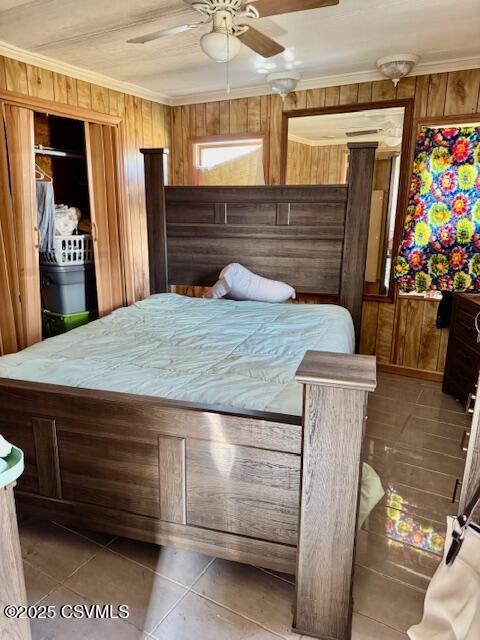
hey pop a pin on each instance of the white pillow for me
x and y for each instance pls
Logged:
(241, 284)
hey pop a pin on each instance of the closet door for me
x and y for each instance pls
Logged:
(19, 259)
(102, 146)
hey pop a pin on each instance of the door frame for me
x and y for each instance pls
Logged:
(405, 162)
(88, 115)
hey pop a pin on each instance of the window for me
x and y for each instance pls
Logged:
(237, 161)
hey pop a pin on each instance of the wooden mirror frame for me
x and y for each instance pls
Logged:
(405, 165)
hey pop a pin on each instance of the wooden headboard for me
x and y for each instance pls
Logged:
(313, 237)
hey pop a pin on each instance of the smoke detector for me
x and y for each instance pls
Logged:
(397, 66)
(283, 82)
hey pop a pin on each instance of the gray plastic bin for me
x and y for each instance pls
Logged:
(68, 289)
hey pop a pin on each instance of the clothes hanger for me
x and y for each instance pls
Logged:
(40, 174)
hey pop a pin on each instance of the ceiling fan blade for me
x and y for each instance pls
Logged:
(276, 7)
(261, 43)
(162, 34)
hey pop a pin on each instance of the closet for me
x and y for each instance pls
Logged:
(67, 265)
(48, 157)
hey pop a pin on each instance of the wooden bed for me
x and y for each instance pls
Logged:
(152, 469)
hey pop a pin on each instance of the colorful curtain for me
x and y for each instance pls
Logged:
(441, 243)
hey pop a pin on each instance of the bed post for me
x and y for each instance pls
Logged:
(357, 219)
(336, 389)
(156, 218)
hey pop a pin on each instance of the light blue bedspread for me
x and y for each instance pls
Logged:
(241, 354)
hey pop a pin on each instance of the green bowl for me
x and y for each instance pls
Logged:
(11, 467)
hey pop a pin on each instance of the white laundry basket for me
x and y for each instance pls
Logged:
(69, 250)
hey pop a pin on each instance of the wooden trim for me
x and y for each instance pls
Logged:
(156, 220)
(48, 464)
(270, 555)
(102, 152)
(438, 121)
(57, 109)
(335, 405)
(357, 215)
(12, 581)
(193, 140)
(420, 374)
(405, 164)
(171, 470)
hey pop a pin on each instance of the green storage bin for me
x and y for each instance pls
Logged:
(57, 323)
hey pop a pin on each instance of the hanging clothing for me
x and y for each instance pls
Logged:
(441, 243)
(46, 214)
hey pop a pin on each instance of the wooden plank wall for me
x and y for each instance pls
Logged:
(309, 164)
(145, 124)
(402, 333)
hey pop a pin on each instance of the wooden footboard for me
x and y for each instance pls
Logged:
(242, 485)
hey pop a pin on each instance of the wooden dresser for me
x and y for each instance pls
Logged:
(463, 353)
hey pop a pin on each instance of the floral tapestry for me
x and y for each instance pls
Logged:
(441, 243)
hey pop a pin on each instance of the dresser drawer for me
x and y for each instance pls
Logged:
(464, 326)
(461, 372)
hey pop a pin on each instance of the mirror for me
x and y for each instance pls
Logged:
(317, 153)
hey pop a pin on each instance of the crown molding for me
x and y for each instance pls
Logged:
(309, 81)
(39, 60)
(319, 82)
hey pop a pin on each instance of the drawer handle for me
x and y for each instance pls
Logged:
(465, 437)
(458, 483)
(470, 403)
(477, 326)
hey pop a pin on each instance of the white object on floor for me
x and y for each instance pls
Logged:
(5, 447)
(239, 283)
(452, 602)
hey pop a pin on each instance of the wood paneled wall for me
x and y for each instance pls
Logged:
(308, 164)
(404, 333)
(145, 124)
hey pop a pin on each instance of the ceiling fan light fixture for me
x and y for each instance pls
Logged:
(220, 47)
(283, 82)
(397, 66)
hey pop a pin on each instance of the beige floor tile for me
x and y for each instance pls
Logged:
(196, 618)
(111, 579)
(54, 550)
(395, 472)
(65, 628)
(420, 457)
(367, 629)
(386, 601)
(37, 583)
(421, 503)
(433, 435)
(250, 592)
(96, 536)
(437, 413)
(288, 577)
(177, 564)
(399, 390)
(396, 522)
(435, 398)
(393, 559)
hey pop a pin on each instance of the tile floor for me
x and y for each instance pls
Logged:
(413, 440)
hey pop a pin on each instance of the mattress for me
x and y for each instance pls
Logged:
(239, 354)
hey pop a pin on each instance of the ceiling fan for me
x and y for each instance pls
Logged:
(223, 42)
